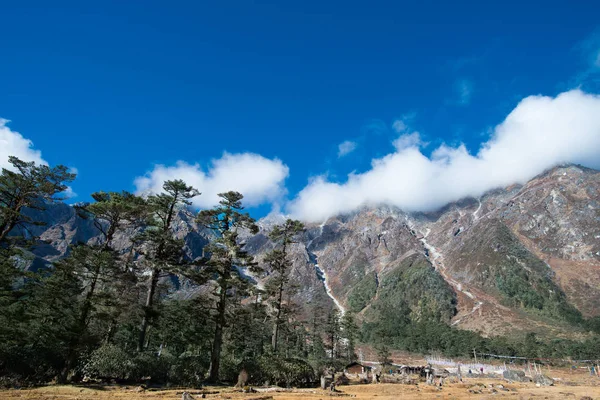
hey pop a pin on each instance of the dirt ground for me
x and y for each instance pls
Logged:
(568, 386)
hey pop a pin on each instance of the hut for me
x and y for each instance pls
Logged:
(357, 368)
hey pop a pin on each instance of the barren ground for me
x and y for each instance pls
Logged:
(568, 386)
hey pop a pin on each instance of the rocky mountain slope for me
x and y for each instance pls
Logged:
(523, 258)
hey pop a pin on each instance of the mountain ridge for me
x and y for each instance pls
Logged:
(539, 237)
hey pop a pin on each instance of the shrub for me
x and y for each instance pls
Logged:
(188, 370)
(109, 362)
(148, 365)
(287, 371)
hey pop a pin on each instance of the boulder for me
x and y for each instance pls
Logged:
(543, 380)
(187, 396)
(515, 376)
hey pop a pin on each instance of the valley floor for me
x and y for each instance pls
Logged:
(569, 386)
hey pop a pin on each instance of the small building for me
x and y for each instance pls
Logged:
(357, 368)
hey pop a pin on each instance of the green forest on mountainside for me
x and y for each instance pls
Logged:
(362, 293)
(414, 305)
(531, 288)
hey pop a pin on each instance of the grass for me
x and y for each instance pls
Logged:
(569, 384)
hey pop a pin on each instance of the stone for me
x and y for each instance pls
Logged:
(515, 375)
(543, 380)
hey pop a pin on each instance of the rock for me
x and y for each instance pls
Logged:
(543, 380)
(501, 387)
(478, 388)
(515, 376)
(187, 396)
(248, 389)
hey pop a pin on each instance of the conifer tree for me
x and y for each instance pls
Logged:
(24, 186)
(161, 249)
(99, 266)
(111, 212)
(52, 308)
(349, 331)
(282, 236)
(225, 263)
(114, 211)
(28, 186)
(332, 331)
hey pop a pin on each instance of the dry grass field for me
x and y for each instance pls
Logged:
(568, 386)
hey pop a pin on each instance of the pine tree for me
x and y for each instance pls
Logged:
(282, 236)
(28, 186)
(332, 331)
(24, 186)
(161, 249)
(225, 263)
(383, 356)
(99, 266)
(11, 313)
(110, 213)
(114, 211)
(52, 308)
(349, 331)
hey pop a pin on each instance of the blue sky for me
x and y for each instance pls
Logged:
(114, 88)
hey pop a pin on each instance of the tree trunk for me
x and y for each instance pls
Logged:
(85, 311)
(148, 309)
(215, 356)
(277, 320)
(11, 222)
(87, 304)
(6, 228)
(333, 344)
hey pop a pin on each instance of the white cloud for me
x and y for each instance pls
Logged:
(464, 91)
(399, 126)
(259, 179)
(346, 148)
(589, 70)
(408, 140)
(402, 124)
(12, 143)
(539, 133)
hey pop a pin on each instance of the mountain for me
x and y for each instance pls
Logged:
(521, 258)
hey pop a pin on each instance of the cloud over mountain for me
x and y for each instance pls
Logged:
(12, 143)
(259, 179)
(539, 133)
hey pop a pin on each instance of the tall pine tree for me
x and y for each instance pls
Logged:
(279, 263)
(225, 263)
(161, 249)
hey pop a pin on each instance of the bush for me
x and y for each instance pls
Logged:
(112, 362)
(230, 368)
(286, 371)
(273, 370)
(149, 366)
(109, 362)
(188, 370)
